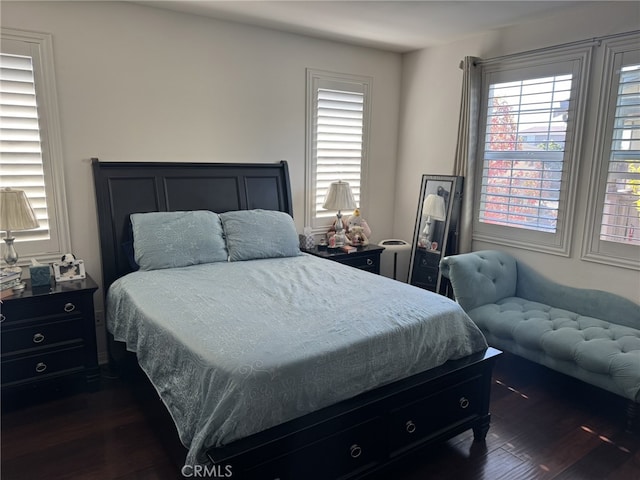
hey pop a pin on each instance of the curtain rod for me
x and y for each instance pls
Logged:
(593, 41)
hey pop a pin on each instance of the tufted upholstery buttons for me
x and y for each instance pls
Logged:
(595, 347)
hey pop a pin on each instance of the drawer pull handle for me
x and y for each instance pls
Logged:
(38, 338)
(69, 307)
(464, 402)
(369, 262)
(410, 426)
(355, 451)
(2, 317)
(41, 367)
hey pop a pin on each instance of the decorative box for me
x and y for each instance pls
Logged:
(40, 275)
(307, 242)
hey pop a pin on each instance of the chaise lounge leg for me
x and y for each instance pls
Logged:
(633, 416)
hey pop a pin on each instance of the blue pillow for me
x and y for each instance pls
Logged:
(253, 234)
(177, 239)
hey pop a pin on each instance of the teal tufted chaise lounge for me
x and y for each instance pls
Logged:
(589, 334)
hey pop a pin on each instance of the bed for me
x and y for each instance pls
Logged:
(275, 364)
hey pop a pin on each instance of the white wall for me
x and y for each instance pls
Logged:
(431, 87)
(138, 83)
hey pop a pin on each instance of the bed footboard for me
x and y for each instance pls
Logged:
(351, 439)
(371, 431)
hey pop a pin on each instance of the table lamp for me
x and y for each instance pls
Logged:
(434, 209)
(16, 214)
(339, 197)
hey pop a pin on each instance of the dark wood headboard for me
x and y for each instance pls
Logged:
(123, 188)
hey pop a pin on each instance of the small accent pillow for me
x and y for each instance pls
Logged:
(253, 234)
(177, 239)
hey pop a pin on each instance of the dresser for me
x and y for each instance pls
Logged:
(426, 266)
(365, 258)
(48, 335)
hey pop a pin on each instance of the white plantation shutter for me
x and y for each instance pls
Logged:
(20, 147)
(523, 152)
(532, 114)
(338, 139)
(30, 145)
(621, 210)
(612, 230)
(337, 122)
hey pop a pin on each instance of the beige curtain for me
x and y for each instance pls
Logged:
(465, 161)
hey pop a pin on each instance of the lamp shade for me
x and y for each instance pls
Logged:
(15, 211)
(434, 207)
(339, 197)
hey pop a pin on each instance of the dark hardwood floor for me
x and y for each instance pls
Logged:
(544, 426)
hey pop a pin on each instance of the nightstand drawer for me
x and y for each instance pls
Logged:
(364, 258)
(53, 305)
(41, 335)
(364, 262)
(42, 365)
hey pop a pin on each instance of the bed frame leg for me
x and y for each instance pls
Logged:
(482, 428)
(633, 417)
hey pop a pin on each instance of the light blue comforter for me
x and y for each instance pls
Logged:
(236, 348)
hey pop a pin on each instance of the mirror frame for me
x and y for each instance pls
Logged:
(449, 242)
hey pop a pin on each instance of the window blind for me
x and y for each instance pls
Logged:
(20, 144)
(524, 147)
(621, 211)
(338, 136)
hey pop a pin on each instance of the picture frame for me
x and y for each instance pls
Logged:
(65, 272)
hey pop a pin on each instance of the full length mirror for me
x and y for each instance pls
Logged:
(435, 233)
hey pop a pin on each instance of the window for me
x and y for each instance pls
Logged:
(337, 131)
(30, 156)
(614, 235)
(530, 117)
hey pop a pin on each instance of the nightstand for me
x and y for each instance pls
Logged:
(365, 258)
(49, 335)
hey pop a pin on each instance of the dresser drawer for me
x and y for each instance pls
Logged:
(416, 422)
(42, 365)
(351, 451)
(54, 305)
(40, 335)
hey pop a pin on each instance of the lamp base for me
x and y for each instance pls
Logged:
(10, 256)
(341, 239)
(12, 269)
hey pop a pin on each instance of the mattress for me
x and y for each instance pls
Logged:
(234, 348)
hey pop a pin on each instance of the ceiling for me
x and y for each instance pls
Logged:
(394, 25)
